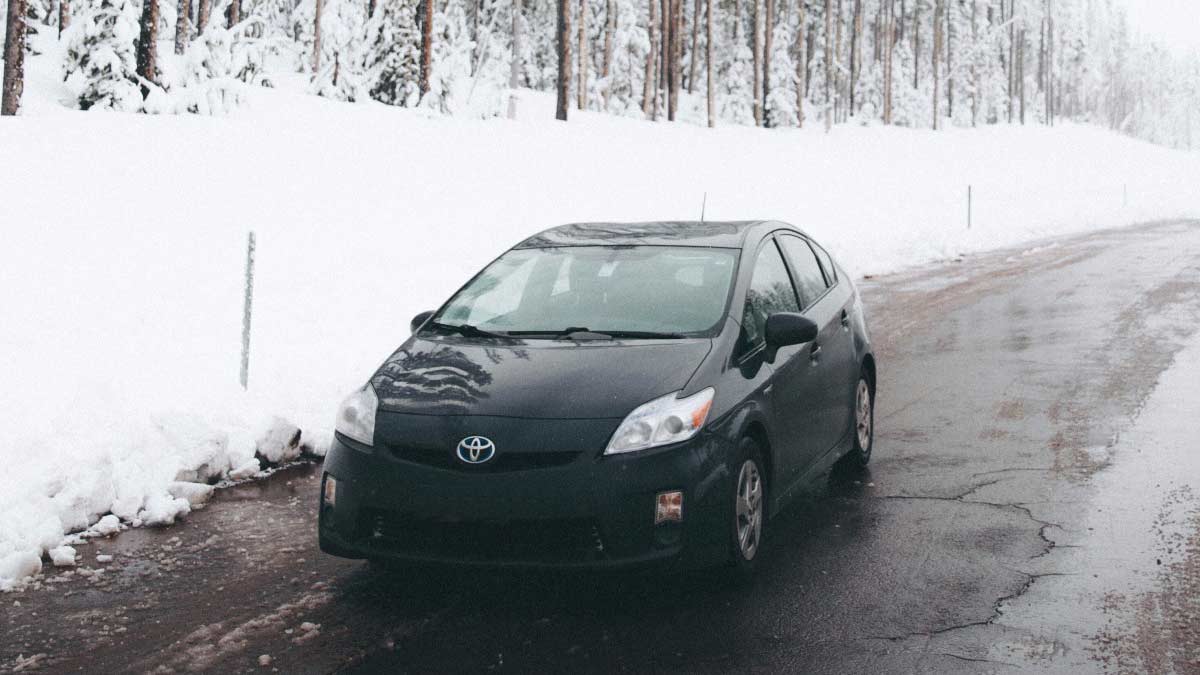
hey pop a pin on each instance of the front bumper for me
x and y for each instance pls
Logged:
(594, 512)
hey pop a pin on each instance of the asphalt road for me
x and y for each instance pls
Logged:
(1033, 505)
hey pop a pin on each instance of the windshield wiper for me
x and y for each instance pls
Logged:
(467, 330)
(644, 334)
(583, 333)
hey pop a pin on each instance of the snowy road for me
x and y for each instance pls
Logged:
(1034, 504)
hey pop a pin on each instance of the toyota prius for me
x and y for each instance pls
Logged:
(606, 395)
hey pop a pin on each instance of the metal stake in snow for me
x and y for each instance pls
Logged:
(246, 308)
(968, 207)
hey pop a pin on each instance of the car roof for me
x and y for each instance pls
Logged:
(716, 234)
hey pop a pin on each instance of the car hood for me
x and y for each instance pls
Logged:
(533, 378)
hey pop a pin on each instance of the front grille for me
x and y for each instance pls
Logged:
(556, 540)
(502, 462)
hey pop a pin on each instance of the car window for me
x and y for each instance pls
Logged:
(810, 282)
(770, 292)
(826, 263)
(659, 289)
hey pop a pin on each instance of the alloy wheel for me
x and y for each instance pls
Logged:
(749, 509)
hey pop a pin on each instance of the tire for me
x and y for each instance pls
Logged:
(864, 424)
(748, 509)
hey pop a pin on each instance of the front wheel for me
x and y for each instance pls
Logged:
(864, 423)
(749, 506)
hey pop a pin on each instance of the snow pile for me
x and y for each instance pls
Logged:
(121, 274)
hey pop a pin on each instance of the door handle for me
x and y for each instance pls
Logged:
(814, 351)
(845, 319)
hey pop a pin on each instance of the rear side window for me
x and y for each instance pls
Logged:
(826, 263)
(810, 282)
(770, 292)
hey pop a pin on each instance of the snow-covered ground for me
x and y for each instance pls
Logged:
(124, 239)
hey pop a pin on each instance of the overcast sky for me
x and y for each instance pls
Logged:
(1175, 22)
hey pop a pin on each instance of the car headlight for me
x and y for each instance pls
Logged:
(665, 420)
(356, 417)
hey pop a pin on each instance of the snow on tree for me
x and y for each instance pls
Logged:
(450, 79)
(341, 73)
(781, 97)
(735, 72)
(627, 72)
(100, 67)
(393, 53)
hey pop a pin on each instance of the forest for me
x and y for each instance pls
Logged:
(770, 63)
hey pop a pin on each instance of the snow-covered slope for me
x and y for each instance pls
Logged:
(124, 245)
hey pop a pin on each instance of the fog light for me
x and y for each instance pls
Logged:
(669, 507)
(329, 494)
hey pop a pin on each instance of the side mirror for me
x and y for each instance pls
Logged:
(419, 320)
(788, 328)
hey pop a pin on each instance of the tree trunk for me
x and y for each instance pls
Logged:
(708, 64)
(768, 41)
(801, 64)
(514, 68)
(64, 16)
(692, 56)
(14, 58)
(427, 44)
(917, 55)
(757, 47)
(829, 58)
(676, 56)
(204, 8)
(938, 8)
(235, 13)
(564, 58)
(181, 25)
(610, 27)
(316, 56)
(1021, 72)
(147, 47)
(855, 54)
(974, 71)
(889, 31)
(1050, 108)
(1010, 68)
(950, 60)
(838, 79)
(581, 94)
(649, 90)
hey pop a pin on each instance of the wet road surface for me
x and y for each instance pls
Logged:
(1033, 505)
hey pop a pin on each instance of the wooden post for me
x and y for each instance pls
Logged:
(246, 310)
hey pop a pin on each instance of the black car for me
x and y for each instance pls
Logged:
(604, 395)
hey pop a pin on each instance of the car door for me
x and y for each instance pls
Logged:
(792, 383)
(831, 354)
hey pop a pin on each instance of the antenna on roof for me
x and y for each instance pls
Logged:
(703, 203)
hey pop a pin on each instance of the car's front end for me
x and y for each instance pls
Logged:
(563, 503)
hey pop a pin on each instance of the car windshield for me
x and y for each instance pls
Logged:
(638, 291)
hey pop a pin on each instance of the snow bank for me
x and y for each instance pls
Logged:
(124, 246)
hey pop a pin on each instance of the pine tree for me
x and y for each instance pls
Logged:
(100, 65)
(631, 47)
(450, 80)
(393, 60)
(736, 68)
(340, 74)
(781, 78)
